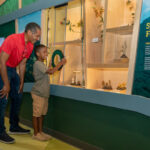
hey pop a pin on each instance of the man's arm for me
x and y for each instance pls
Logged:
(6, 88)
(22, 69)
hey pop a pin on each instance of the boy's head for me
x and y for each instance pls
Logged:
(41, 52)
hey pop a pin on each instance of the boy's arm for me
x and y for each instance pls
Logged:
(50, 63)
(52, 70)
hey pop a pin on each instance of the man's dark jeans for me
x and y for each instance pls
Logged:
(15, 97)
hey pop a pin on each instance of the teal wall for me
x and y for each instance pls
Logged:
(104, 127)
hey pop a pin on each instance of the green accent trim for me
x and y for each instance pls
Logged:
(8, 7)
(134, 103)
(27, 2)
(60, 54)
(38, 5)
(105, 127)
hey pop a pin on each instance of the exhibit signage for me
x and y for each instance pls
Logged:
(141, 83)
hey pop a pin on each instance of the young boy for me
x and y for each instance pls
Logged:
(41, 91)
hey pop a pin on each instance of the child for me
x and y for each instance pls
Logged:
(41, 91)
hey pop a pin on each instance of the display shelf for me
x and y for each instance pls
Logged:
(75, 42)
(124, 30)
(113, 91)
(107, 66)
(77, 86)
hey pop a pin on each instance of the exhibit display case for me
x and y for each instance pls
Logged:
(111, 72)
(65, 33)
(95, 37)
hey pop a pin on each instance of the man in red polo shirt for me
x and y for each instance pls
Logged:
(15, 51)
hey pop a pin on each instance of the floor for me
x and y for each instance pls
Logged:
(25, 142)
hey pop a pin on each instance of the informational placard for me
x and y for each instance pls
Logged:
(141, 83)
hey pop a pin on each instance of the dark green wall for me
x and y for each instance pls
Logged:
(104, 127)
(7, 29)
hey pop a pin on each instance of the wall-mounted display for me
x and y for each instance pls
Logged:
(108, 69)
(95, 37)
(65, 32)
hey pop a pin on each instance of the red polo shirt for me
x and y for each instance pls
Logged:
(14, 45)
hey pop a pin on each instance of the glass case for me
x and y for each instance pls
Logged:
(65, 33)
(111, 72)
(95, 37)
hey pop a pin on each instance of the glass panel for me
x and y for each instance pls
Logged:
(51, 26)
(73, 68)
(73, 21)
(120, 13)
(60, 24)
(94, 16)
(110, 71)
(65, 33)
(119, 28)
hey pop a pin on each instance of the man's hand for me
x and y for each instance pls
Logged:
(22, 68)
(6, 88)
(21, 88)
(5, 91)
